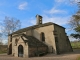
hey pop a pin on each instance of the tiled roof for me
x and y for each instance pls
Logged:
(32, 41)
(35, 26)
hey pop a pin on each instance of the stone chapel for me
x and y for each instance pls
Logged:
(39, 40)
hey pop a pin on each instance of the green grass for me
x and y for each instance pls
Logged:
(78, 58)
(75, 45)
(1, 52)
(3, 49)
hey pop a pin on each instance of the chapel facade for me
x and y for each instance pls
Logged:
(38, 40)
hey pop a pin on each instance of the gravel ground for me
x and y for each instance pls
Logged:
(66, 56)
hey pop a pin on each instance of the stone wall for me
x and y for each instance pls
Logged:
(32, 51)
(9, 45)
(50, 32)
(49, 37)
(18, 36)
(15, 46)
(37, 51)
(62, 39)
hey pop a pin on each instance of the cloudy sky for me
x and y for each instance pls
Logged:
(56, 11)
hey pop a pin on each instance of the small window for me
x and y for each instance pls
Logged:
(16, 41)
(42, 37)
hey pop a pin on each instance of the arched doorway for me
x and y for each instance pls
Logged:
(10, 49)
(20, 51)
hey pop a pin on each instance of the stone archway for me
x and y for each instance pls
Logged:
(10, 49)
(20, 51)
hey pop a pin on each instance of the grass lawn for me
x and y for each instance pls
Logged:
(75, 45)
(3, 49)
(78, 58)
(1, 52)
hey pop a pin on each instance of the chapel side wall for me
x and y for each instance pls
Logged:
(61, 35)
(49, 37)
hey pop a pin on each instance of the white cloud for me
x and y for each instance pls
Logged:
(67, 1)
(60, 19)
(2, 13)
(56, 11)
(74, 1)
(57, 20)
(72, 39)
(33, 22)
(23, 6)
(60, 1)
(50, 17)
(77, 0)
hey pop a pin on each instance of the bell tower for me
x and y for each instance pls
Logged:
(39, 19)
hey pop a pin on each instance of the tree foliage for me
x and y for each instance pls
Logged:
(75, 25)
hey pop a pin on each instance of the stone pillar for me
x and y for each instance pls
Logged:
(16, 51)
(26, 52)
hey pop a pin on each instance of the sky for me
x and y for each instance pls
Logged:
(56, 11)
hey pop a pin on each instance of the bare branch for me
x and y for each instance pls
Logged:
(10, 25)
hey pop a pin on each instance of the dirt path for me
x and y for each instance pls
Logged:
(66, 56)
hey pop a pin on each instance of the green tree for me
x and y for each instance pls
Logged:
(75, 25)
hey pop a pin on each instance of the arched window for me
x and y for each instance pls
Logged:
(42, 37)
